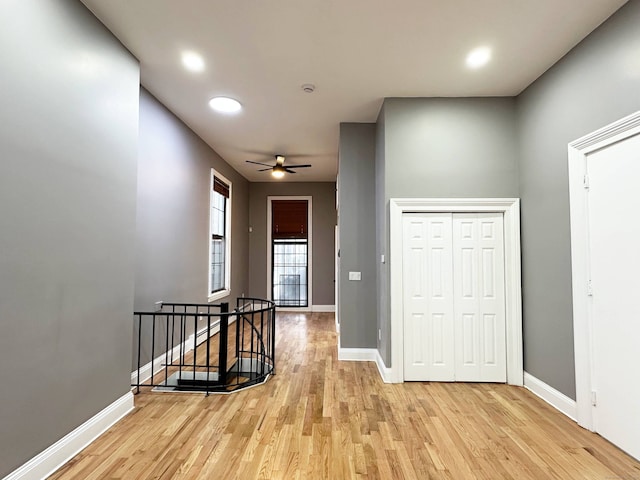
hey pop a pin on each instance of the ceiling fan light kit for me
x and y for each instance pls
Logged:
(277, 172)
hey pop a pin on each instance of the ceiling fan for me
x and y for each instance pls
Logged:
(278, 170)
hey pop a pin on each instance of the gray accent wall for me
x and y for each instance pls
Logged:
(324, 222)
(442, 148)
(450, 147)
(172, 228)
(597, 83)
(69, 94)
(357, 220)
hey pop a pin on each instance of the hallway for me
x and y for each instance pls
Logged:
(319, 418)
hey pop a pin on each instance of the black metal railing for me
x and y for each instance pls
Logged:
(204, 347)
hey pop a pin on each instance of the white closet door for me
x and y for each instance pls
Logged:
(428, 297)
(479, 303)
(614, 236)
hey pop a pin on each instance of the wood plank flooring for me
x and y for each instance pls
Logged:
(319, 418)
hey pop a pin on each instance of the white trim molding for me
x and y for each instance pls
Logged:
(578, 151)
(550, 395)
(357, 354)
(385, 372)
(312, 308)
(366, 355)
(510, 208)
(54, 457)
(212, 297)
(323, 308)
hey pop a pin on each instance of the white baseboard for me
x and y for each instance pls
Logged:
(552, 396)
(357, 354)
(366, 355)
(312, 308)
(385, 372)
(54, 457)
(323, 308)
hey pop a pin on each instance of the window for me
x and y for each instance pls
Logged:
(219, 237)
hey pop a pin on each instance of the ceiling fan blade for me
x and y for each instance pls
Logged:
(265, 169)
(258, 163)
(298, 166)
(269, 153)
(288, 170)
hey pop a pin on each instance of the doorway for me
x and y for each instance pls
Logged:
(289, 251)
(604, 202)
(454, 307)
(510, 210)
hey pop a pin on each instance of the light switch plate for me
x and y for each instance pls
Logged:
(355, 276)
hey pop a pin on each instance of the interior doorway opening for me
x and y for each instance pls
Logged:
(289, 251)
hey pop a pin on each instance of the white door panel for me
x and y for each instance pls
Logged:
(428, 308)
(454, 305)
(614, 236)
(479, 304)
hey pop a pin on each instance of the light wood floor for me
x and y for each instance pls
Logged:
(319, 418)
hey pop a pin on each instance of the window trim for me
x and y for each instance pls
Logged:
(226, 291)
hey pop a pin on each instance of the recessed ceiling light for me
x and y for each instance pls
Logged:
(478, 57)
(192, 61)
(225, 105)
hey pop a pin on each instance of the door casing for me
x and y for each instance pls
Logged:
(510, 208)
(578, 150)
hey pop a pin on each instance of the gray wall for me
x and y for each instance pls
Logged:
(382, 269)
(450, 147)
(444, 147)
(324, 222)
(357, 220)
(68, 149)
(595, 84)
(172, 249)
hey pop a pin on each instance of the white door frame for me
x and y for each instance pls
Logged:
(510, 208)
(582, 320)
(309, 200)
(336, 276)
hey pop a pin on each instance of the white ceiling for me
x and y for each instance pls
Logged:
(356, 52)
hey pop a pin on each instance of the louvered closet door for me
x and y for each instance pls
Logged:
(428, 299)
(454, 305)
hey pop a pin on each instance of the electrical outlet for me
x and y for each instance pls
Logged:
(379, 334)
